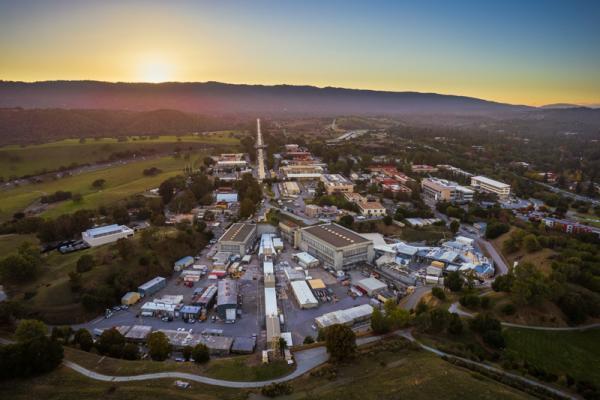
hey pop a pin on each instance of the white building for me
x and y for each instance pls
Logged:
(106, 234)
(483, 184)
(305, 297)
(443, 190)
(372, 209)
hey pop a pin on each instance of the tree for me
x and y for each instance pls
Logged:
(121, 215)
(247, 208)
(503, 283)
(531, 243)
(187, 353)
(85, 263)
(438, 292)
(84, 339)
(387, 220)
(308, 340)
(530, 285)
(282, 344)
(574, 307)
(347, 221)
(183, 202)
(159, 347)
(111, 343)
(454, 281)
(340, 342)
(98, 183)
(439, 320)
(379, 323)
(131, 352)
(495, 229)
(455, 326)
(126, 248)
(454, 226)
(200, 354)
(30, 329)
(32, 357)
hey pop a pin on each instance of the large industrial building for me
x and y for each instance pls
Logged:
(303, 294)
(349, 316)
(335, 246)
(238, 239)
(106, 234)
(310, 171)
(440, 190)
(227, 299)
(483, 184)
(152, 286)
(336, 183)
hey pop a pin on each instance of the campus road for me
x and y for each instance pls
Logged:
(498, 260)
(306, 360)
(411, 301)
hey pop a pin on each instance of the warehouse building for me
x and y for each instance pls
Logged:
(303, 294)
(227, 300)
(336, 183)
(484, 184)
(182, 263)
(106, 234)
(371, 286)
(439, 190)
(238, 239)
(138, 333)
(152, 286)
(335, 246)
(349, 316)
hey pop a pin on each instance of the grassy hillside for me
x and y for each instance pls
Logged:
(573, 353)
(375, 375)
(35, 159)
(121, 181)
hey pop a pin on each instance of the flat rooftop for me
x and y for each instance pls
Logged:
(491, 182)
(238, 232)
(336, 235)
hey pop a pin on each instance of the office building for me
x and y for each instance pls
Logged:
(440, 190)
(336, 183)
(335, 246)
(483, 184)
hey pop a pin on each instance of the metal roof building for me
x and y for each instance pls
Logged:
(335, 246)
(303, 294)
(371, 286)
(227, 299)
(349, 316)
(106, 234)
(152, 286)
(238, 239)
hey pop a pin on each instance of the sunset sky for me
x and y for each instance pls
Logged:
(527, 52)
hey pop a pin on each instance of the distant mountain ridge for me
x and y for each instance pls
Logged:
(223, 98)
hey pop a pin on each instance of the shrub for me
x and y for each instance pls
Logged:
(85, 263)
(200, 354)
(494, 338)
(495, 229)
(508, 309)
(485, 302)
(470, 301)
(439, 293)
(503, 283)
(277, 389)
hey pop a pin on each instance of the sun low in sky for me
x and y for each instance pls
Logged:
(155, 70)
(517, 51)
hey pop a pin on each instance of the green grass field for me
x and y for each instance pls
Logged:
(121, 181)
(35, 159)
(573, 353)
(10, 243)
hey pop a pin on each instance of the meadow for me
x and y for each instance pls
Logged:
(18, 161)
(121, 182)
(573, 353)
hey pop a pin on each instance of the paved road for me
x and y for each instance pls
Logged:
(411, 301)
(501, 267)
